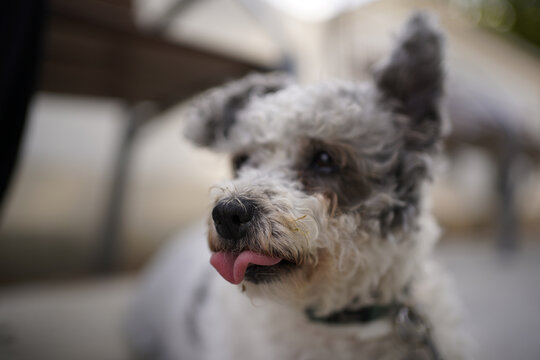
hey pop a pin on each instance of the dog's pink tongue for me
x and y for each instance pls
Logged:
(233, 266)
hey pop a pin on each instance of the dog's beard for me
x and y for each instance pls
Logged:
(282, 239)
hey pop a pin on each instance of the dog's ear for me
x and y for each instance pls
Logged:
(213, 113)
(410, 80)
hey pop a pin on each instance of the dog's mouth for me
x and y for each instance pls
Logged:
(250, 266)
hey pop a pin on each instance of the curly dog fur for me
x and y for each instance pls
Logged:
(327, 218)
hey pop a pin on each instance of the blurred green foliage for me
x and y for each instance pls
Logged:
(521, 17)
(527, 22)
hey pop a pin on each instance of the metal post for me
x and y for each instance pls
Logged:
(508, 218)
(109, 245)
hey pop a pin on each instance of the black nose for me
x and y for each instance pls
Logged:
(232, 217)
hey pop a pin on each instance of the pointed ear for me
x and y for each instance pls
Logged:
(212, 114)
(410, 80)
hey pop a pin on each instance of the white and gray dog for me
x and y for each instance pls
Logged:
(325, 229)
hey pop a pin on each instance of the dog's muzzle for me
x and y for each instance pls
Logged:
(240, 258)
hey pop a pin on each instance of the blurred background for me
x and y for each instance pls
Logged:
(104, 177)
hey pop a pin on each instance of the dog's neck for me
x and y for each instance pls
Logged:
(408, 323)
(353, 313)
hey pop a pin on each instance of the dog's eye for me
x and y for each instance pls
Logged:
(238, 161)
(323, 163)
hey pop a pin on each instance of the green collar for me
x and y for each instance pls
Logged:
(363, 315)
(410, 326)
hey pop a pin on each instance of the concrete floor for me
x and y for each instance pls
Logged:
(65, 321)
(84, 320)
(501, 295)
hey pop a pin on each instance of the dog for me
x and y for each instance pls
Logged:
(321, 244)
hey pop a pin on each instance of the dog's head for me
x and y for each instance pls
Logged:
(325, 205)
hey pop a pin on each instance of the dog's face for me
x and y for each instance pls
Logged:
(325, 201)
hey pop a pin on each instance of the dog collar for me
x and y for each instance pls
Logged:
(408, 324)
(363, 315)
